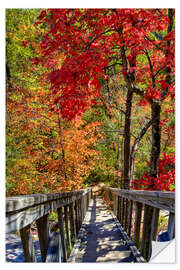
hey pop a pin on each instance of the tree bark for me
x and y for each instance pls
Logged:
(156, 140)
(135, 146)
(127, 140)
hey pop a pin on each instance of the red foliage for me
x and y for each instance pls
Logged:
(89, 39)
(166, 179)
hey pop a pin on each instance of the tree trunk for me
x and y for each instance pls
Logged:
(156, 140)
(135, 146)
(127, 140)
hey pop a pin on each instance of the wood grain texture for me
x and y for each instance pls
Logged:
(146, 246)
(137, 255)
(171, 225)
(61, 228)
(20, 202)
(72, 219)
(156, 212)
(130, 217)
(126, 214)
(54, 253)
(137, 224)
(67, 227)
(43, 234)
(19, 215)
(27, 243)
(158, 199)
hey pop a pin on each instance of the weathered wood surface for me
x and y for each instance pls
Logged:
(152, 201)
(137, 255)
(72, 219)
(54, 253)
(158, 199)
(130, 217)
(19, 213)
(62, 233)
(27, 243)
(43, 233)
(67, 226)
(101, 240)
(171, 225)
(24, 201)
(146, 246)
(156, 212)
(137, 224)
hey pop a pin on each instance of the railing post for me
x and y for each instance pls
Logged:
(72, 220)
(43, 234)
(126, 213)
(171, 225)
(54, 253)
(27, 243)
(84, 206)
(118, 206)
(155, 222)
(122, 212)
(80, 213)
(130, 217)
(81, 209)
(66, 216)
(137, 223)
(114, 203)
(61, 228)
(77, 217)
(146, 246)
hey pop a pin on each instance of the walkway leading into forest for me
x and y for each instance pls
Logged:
(103, 235)
(100, 239)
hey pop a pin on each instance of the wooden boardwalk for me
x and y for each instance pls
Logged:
(100, 239)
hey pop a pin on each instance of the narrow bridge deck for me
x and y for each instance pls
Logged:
(100, 239)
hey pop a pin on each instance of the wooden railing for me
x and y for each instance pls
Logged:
(143, 207)
(22, 211)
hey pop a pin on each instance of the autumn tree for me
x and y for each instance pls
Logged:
(41, 147)
(141, 41)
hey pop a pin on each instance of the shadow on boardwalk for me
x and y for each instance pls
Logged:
(102, 241)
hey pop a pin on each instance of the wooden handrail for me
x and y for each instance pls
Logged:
(22, 211)
(142, 204)
(158, 199)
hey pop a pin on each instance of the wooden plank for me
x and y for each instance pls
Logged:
(77, 217)
(118, 206)
(123, 212)
(21, 202)
(80, 213)
(66, 217)
(61, 228)
(171, 225)
(54, 253)
(137, 223)
(114, 204)
(155, 223)
(72, 220)
(130, 217)
(157, 199)
(126, 213)
(43, 234)
(27, 243)
(137, 255)
(146, 246)
(18, 219)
